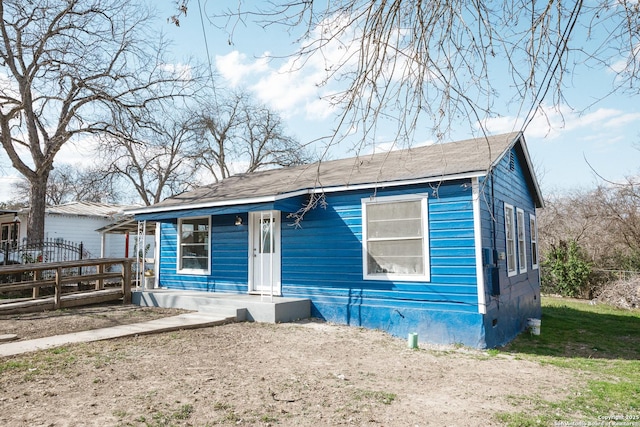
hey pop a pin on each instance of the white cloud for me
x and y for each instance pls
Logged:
(623, 120)
(6, 187)
(80, 152)
(235, 67)
(293, 85)
(286, 89)
(181, 71)
(550, 123)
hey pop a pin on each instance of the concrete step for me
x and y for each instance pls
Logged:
(228, 310)
(257, 308)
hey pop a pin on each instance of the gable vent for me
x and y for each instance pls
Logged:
(512, 161)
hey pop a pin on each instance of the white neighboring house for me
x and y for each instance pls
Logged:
(75, 222)
(11, 229)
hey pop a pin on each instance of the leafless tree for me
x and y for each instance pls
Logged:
(64, 65)
(153, 153)
(619, 205)
(604, 221)
(237, 136)
(68, 183)
(438, 62)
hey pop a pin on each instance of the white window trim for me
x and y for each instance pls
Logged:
(515, 239)
(533, 225)
(193, 271)
(522, 255)
(426, 277)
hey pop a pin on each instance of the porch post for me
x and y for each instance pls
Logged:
(103, 244)
(272, 248)
(260, 251)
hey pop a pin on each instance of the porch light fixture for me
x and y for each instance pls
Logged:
(238, 220)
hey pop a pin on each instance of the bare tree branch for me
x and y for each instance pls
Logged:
(239, 136)
(67, 65)
(430, 64)
(154, 153)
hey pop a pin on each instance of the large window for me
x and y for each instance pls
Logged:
(510, 233)
(395, 238)
(522, 245)
(193, 241)
(533, 230)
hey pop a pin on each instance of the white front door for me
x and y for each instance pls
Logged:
(264, 252)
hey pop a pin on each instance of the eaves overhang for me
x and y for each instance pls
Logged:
(302, 192)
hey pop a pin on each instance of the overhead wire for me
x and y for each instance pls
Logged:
(206, 46)
(553, 66)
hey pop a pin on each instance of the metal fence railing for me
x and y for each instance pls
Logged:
(48, 250)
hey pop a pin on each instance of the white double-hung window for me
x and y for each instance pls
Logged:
(510, 235)
(193, 245)
(533, 230)
(522, 244)
(395, 239)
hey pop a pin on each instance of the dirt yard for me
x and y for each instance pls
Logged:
(298, 374)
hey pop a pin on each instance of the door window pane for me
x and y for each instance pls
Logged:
(266, 233)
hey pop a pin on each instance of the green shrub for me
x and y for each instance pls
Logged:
(566, 271)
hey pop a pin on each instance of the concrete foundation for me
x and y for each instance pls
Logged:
(253, 308)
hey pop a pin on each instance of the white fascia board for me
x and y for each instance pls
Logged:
(527, 159)
(385, 184)
(220, 203)
(477, 231)
(317, 190)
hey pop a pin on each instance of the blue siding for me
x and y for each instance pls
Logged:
(229, 254)
(516, 298)
(322, 261)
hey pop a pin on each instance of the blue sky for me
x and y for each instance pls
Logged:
(569, 147)
(606, 135)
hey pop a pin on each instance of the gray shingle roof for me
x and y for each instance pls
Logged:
(447, 160)
(93, 209)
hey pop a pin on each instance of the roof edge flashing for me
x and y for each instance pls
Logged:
(316, 190)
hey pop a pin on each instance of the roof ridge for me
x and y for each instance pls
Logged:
(467, 158)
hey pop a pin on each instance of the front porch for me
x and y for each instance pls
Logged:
(245, 307)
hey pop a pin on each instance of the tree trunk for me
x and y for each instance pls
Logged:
(38, 203)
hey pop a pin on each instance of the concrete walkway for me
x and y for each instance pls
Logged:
(173, 323)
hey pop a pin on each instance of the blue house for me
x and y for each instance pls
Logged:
(440, 240)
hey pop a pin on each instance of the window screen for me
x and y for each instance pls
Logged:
(533, 231)
(522, 245)
(510, 231)
(395, 238)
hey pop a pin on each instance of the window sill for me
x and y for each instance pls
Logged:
(397, 278)
(193, 272)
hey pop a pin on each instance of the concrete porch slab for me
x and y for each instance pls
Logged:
(254, 308)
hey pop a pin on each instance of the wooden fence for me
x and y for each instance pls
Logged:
(72, 283)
